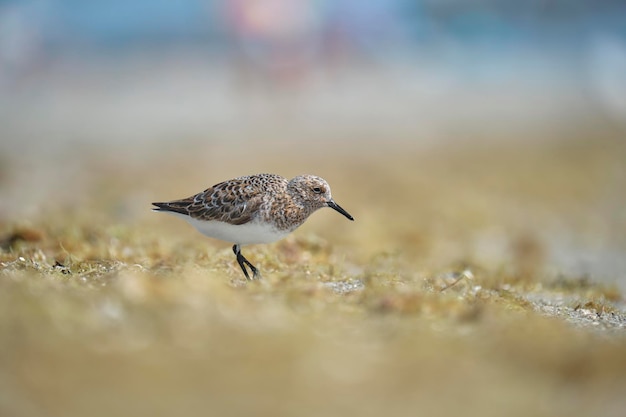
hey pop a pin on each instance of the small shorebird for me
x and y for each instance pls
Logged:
(253, 209)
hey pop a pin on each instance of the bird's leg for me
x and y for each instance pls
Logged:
(243, 262)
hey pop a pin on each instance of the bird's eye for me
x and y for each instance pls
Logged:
(317, 190)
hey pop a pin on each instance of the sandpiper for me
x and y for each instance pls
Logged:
(253, 209)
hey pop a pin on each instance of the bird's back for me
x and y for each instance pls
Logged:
(235, 201)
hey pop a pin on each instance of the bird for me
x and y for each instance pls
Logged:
(253, 209)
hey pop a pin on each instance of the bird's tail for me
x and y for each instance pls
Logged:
(172, 206)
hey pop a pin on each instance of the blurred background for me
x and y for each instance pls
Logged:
(144, 70)
(467, 121)
(484, 136)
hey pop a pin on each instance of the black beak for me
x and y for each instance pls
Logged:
(337, 207)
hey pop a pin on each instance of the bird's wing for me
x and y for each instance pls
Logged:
(230, 201)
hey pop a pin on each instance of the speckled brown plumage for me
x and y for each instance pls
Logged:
(235, 201)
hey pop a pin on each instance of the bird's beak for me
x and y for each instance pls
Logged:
(337, 207)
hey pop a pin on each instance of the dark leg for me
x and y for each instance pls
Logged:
(243, 262)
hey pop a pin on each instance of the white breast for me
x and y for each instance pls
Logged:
(244, 234)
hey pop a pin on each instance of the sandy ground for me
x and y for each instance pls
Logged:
(481, 276)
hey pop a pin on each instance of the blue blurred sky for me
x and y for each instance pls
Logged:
(443, 61)
(480, 37)
(66, 24)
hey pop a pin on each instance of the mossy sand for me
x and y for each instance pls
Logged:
(456, 290)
